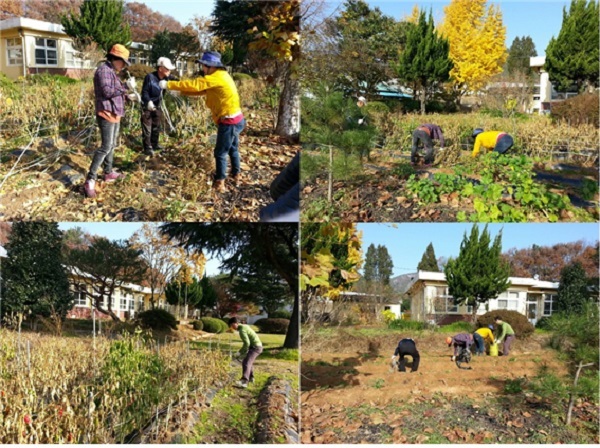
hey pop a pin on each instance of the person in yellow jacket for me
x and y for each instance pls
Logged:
(499, 141)
(481, 336)
(224, 103)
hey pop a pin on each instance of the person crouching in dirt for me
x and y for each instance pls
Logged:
(461, 340)
(507, 335)
(425, 134)
(481, 336)
(224, 103)
(151, 99)
(251, 348)
(498, 141)
(407, 347)
(110, 96)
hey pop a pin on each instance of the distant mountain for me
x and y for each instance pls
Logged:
(403, 282)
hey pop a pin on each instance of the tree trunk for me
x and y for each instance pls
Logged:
(423, 100)
(108, 311)
(293, 334)
(288, 116)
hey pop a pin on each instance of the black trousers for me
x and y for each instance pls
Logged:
(151, 120)
(421, 137)
(407, 347)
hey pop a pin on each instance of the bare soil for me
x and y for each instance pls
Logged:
(352, 395)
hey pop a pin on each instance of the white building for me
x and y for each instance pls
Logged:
(544, 93)
(431, 301)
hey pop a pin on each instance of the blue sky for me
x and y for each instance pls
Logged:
(539, 19)
(407, 242)
(124, 231)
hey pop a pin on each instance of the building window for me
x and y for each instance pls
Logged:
(45, 51)
(549, 300)
(508, 301)
(74, 61)
(14, 51)
(80, 295)
(444, 302)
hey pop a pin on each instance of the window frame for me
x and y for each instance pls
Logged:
(14, 47)
(45, 48)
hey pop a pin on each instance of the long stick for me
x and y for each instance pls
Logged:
(572, 394)
(330, 187)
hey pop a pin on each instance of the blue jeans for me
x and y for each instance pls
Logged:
(109, 133)
(228, 142)
(479, 344)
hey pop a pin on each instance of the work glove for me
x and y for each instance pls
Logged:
(454, 358)
(163, 84)
(151, 106)
(134, 97)
(361, 120)
(130, 83)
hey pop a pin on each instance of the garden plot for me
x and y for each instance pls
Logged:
(351, 395)
(48, 135)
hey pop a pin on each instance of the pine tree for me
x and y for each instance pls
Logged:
(476, 38)
(34, 278)
(101, 22)
(424, 61)
(572, 57)
(428, 260)
(371, 268)
(479, 273)
(209, 295)
(385, 265)
(573, 291)
(518, 55)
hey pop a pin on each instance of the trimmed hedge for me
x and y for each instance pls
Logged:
(412, 325)
(157, 319)
(280, 314)
(197, 325)
(580, 109)
(519, 323)
(213, 325)
(139, 71)
(273, 326)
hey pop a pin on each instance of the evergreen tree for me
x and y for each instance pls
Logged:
(572, 57)
(520, 51)
(479, 273)
(371, 268)
(209, 295)
(182, 293)
(424, 61)
(385, 265)
(428, 260)
(263, 288)
(573, 289)
(34, 278)
(161, 46)
(101, 22)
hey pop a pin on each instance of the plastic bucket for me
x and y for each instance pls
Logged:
(493, 350)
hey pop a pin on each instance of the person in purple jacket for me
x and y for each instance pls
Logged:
(461, 340)
(425, 134)
(110, 94)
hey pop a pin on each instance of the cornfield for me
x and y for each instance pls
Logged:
(85, 390)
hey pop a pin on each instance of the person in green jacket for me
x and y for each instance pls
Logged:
(507, 335)
(251, 348)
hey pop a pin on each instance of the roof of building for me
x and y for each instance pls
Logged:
(31, 24)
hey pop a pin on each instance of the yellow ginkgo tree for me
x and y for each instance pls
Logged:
(477, 43)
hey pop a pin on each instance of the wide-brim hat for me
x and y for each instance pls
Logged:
(211, 59)
(120, 52)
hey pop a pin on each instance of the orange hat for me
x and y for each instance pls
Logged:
(120, 52)
(448, 340)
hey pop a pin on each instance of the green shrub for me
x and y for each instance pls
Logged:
(241, 76)
(198, 325)
(213, 325)
(273, 326)
(519, 323)
(281, 314)
(543, 323)
(139, 71)
(458, 327)
(47, 79)
(157, 319)
(408, 325)
(8, 87)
